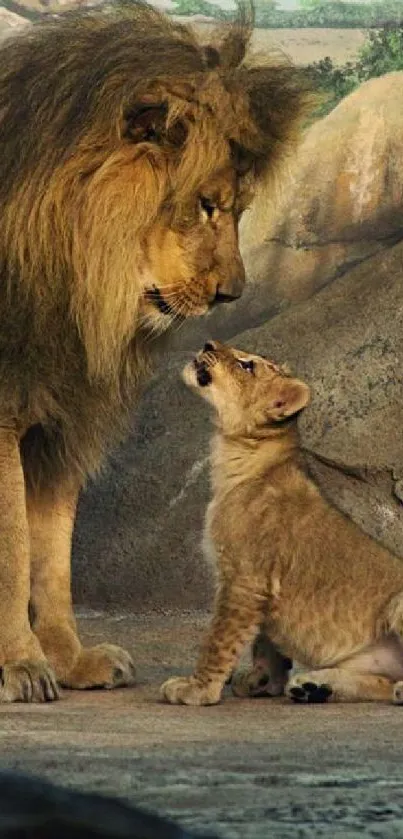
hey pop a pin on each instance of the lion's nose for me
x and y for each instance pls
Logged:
(226, 297)
(231, 288)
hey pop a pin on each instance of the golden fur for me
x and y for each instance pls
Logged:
(122, 178)
(128, 153)
(317, 588)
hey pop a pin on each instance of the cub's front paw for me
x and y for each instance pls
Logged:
(302, 688)
(28, 681)
(104, 666)
(190, 691)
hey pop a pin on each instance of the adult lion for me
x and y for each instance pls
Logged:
(127, 151)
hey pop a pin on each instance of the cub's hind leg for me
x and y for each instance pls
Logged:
(373, 674)
(237, 615)
(337, 684)
(268, 674)
(25, 675)
(51, 519)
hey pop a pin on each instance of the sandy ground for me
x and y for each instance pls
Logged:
(250, 769)
(304, 46)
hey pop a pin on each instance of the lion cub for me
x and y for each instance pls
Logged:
(290, 565)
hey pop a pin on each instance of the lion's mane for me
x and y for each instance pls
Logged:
(71, 223)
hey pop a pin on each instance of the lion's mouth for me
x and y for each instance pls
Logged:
(203, 374)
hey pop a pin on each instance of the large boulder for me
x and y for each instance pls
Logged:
(327, 297)
(10, 22)
(338, 203)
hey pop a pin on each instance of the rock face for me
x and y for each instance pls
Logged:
(10, 22)
(327, 297)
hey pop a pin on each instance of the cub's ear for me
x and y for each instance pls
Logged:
(287, 398)
(148, 123)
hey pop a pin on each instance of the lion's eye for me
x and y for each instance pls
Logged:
(247, 365)
(208, 206)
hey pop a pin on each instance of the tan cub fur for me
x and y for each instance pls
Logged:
(291, 567)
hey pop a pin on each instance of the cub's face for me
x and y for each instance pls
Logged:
(191, 256)
(248, 392)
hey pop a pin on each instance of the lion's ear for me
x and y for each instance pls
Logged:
(287, 398)
(146, 123)
(149, 123)
(211, 57)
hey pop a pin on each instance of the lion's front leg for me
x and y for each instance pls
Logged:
(51, 518)
(25, 675)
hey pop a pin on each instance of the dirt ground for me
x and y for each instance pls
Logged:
(305, 46)
(246, 769)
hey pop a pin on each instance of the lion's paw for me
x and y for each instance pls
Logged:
(302, 688)
(104, 666)
(28, 681)
(190, 691)
(256, 682)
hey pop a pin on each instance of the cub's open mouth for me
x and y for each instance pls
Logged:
(203, 374)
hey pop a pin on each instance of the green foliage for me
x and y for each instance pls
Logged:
(334, 82)
(265, 13)
(197, 7)
(382, 53)
(311, 13)
(344, 14)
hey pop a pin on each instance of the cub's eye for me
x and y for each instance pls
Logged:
(247, 365)
(208, 206)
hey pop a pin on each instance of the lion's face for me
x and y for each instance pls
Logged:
(191, 256)
(141, 144)
(189, 180)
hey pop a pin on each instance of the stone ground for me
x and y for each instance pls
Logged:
(249, 769)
